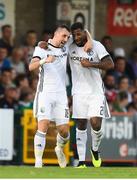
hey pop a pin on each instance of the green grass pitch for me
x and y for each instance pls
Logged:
(69, 172)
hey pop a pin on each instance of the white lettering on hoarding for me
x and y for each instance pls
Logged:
(125, 17)
(117, 129)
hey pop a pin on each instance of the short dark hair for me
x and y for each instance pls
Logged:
(77, 25)
(5, 26)
(119, 57)
(106, 37)
(5, 70)
(20, 78)
(122, 95)
(63, 26)
(31, 31)
(121, 78)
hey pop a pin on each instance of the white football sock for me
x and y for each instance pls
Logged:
(39, 145)
(96, 139)
(61, 141)
(81, 140)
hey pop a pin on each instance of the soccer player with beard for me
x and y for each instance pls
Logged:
(89, 100)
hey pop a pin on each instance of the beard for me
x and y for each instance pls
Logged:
(109, 87)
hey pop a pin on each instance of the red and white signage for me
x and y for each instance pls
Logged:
(122, 18)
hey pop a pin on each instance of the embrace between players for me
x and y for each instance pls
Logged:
(87, 58)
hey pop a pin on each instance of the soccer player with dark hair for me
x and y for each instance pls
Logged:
(89, 101)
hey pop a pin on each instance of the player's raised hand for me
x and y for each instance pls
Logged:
(86, 63)
(88, 46)
(43, 44)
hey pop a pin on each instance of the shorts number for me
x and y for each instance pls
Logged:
(101, 110)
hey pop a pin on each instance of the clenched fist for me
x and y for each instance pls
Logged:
(50, 59)
(86, 63)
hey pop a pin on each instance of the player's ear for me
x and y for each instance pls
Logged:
(43, 45)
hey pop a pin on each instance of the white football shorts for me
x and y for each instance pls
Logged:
(88, 106)
(51, 106)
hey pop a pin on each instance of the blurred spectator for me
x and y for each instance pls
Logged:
(16, 61)
(13, 74)
(6, 40)
(47, 34)
(31, 40)
(4, 61)
(22, 82)
(5, 80)
(108, 43)
(33, 84)
(133, 61)
(132, 107)
(26, 100)
(110, 89)
(121, 102)
(10, 99)
(121, 69)
(119, 52)
(134, 86)
(123, 85)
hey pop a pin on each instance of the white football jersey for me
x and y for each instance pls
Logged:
(52, 76)
(86, 80)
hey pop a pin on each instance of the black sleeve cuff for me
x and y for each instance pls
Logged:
(36, 57)
(105, 57)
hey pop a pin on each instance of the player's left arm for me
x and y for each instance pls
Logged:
(106, 63)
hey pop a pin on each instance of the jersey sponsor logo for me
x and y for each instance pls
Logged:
(58, 56)
(77, 58)
(61, 56)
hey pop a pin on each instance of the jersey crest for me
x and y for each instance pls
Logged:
(63, 49)
(90, 53)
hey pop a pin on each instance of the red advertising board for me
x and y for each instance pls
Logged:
(122, 18)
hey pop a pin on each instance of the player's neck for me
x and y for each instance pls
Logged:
(82, 44)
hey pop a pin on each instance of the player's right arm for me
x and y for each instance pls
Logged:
(39, 58)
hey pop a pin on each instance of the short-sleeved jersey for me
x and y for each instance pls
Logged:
(52, 76)
(86, 80)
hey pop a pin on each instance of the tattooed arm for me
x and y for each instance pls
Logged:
(106, 63)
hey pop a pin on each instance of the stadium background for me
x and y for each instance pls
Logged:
(113, 22)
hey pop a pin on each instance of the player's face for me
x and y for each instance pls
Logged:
(62, 36)
(78, 36)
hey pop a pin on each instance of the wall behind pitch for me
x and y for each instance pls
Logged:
(29, 15)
